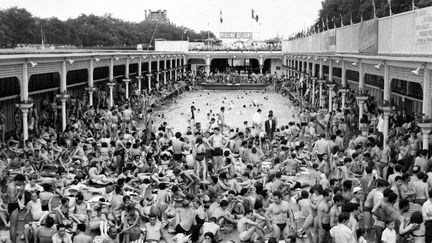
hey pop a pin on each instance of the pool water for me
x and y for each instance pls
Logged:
(239, 106)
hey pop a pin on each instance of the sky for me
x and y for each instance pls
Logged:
(276, 17)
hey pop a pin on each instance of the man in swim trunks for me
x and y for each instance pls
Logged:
(15, 192)
(177, 146)
(216, 142)
(324, 217)
(277, 216)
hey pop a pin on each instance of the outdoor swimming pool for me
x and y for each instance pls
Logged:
(239, 106)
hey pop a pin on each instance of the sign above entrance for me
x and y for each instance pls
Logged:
(423, 25)
(236, 35)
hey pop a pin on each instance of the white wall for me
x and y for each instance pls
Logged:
(172, 46)
(276, 63)
(396, 35)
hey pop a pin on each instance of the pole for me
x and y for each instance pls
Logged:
(153, 35)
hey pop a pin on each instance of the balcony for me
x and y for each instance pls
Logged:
(219, 49)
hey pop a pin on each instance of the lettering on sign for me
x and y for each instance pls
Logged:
(423, 25)
(236, 35)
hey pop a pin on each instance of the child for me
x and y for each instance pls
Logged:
(389, 234)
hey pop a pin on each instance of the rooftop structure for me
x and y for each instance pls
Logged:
(156, 16)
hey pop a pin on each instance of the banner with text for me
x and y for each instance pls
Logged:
(423, 25)
(368, 36)
(236, 35)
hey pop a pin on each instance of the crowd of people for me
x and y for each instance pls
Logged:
(235, 76)
(114, 175)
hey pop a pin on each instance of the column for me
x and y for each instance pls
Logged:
(207, 66)
(111, 70)
(344, 80)
(313, 91)
(24, 107)
(139, 76)
(330, 94)
(320, 82)
(90, 91)
(149, 81)
(172, 68)
(386, 111)
(24, 95)
(63, 111)
(321, 70)
(127, 68)
(361, 100)
(127, 81)
(63, 95)
(426, 94)
(288, 67)
(361, 77)
(426, 129)
(330, 78)
(157, 73)
(63, 77)
(90, 88)
(344, 93)
(387, 80)
(261, 64)
(307, 67)
(175, 74)
(111, 93)
(149, 75)
(164, 72)
(184, 64)
(313, 68)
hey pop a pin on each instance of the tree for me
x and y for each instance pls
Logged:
(17, 25)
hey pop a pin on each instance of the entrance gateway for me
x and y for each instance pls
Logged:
(235, 52)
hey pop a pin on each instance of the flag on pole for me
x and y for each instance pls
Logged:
(390, 8)
(341, 20)
(220, 16)
(253, 14)
(374, 9)
(256, 18)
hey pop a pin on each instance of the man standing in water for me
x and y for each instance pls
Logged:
(221, 118)
(15, 192)
(191, 118)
